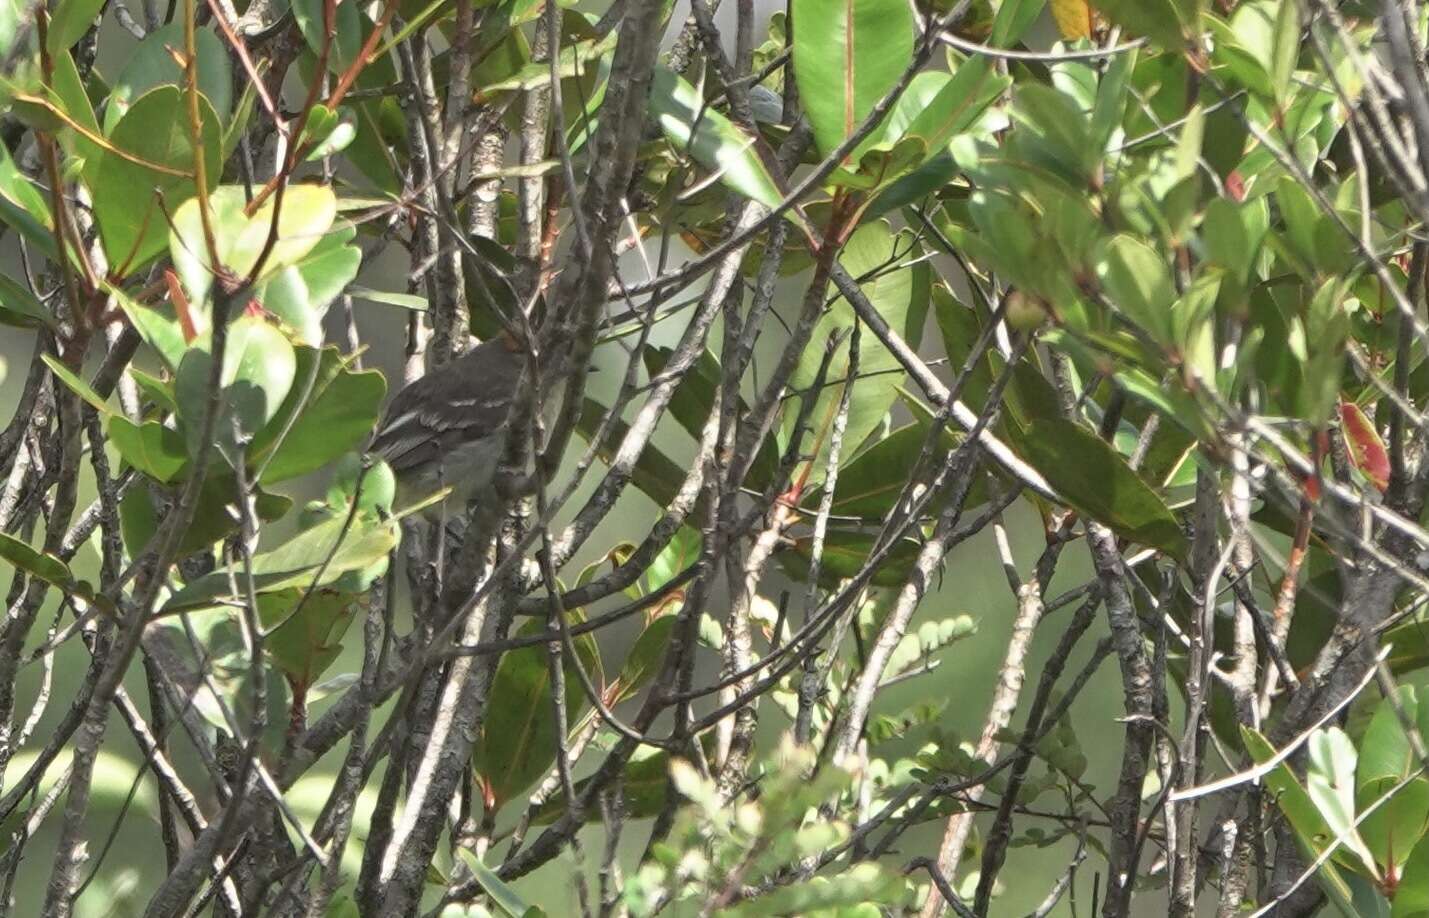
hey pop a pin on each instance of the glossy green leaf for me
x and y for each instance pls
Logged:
(305, 635)
(1139, 282)
(152, 448)
(643, 661)
(1014, 17)
(518, 742)
(960, 102)
(69, 21)
(502, 896)
(1297, 805)
(869, 486)
(1330, 782)
(845, 554)
(150, 65)
(299, 293)
(900, 294)
(711, 139)
(848, 54)
(323, 419)
(126, 194)
(23, 208)
(1095, 480)
(41, 565)
(1411, 899)
(344, 41)
(157, 325)
(304, 216)
(76, 385)
(21, 308)
(350, 556)
(259, 367)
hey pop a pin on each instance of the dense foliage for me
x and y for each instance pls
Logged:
(870, 285)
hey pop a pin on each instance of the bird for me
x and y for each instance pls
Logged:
(448, 428)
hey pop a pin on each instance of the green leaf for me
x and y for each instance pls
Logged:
(644, 785)
(328, 418)
(1330, 782)
(656, 474)
(1061, 123)
(917, 647)
(150, 65)
(71, 19)
(1295, 802)
(300, 293)
(845, 553)
(574, 60)
(1386, 759)
(711, 139)
(1109, 109)
(1232, 234)
(305, 636)
(1094, 479)
(40, 565)
(258, 371)
(693, 397)
(158, 391)
(23, 207)
(151, 448)
(346, 37)
(1386, 756)
(502, 896)
(12, 14)
(304, 217)
(643, 661)
(213, 519)
(1014, 17)
(682, 551)
(869, 486)
(847, 54)
(1166, 22)
(157, 325)
(76, 385)
(900, 294)
(155, 129)
(350, 556)
(959, 103)
(1411, 899)
(69, 91)
(1139, 282)
(518, 742)
(1285, 48)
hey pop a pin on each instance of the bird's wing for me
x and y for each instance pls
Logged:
(420, 430)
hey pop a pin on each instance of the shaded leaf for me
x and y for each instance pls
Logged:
(339, 549)
(1095, 480)
(845, 554)
(518, 742)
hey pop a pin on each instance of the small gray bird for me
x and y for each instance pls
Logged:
(448, 428)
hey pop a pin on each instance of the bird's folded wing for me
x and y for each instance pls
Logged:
(422, 431)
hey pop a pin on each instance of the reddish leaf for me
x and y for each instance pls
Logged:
(1367, 450)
